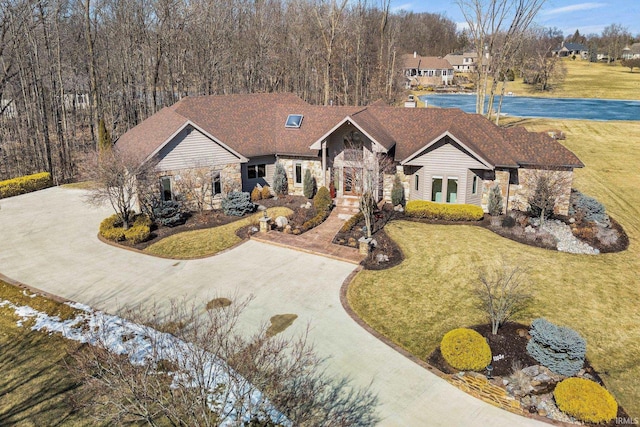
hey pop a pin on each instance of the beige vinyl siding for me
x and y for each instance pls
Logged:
(249, 184)
(191, 148)
(448, 160)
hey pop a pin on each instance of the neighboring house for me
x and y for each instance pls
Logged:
(463, 62)
(443, 155)
(570, 49)
(426, 70)
(631, 52)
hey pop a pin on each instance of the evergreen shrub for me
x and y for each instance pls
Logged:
(308, 185)
(322, 200)
(169, 213)
(559, 348)
(442, 211)
(585, 400)
(465, 349)
(25, 184)
(280, 181)
(397, 192)
(237, 204)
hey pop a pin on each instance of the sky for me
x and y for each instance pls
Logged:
(567, 15)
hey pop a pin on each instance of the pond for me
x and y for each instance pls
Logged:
(555, 108)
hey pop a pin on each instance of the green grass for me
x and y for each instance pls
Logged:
(35, 385)
(202, 243)
(416, 303)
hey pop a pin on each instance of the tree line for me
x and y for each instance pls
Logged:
(66, 66)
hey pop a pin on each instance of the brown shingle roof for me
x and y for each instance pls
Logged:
(253, 125)
(425, 62)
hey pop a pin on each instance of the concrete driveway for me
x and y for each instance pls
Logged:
(48, 241)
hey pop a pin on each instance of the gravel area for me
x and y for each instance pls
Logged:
(567, 242)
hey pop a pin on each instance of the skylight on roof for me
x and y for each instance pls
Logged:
(293, 121)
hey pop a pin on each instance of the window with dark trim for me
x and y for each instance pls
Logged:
(165, 188)
(474, 187)
(298, 173)
(436, 189)
(256, 171)
(217, 185)
(416, 182)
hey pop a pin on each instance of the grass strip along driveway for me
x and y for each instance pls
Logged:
(417, 302)
(210, 241)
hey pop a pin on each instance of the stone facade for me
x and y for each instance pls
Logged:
(194, 187)
(315, 166)
(388, 183)
(518, 185)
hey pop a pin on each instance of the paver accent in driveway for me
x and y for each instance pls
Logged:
(49, 241)
(318, 240)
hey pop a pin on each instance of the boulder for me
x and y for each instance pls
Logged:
(382, 258)
(398, 208)
(282, 221)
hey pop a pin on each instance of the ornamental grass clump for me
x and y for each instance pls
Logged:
(585, 400)
(559, 348)
(465, 349)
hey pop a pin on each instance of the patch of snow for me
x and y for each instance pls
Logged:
(137, 341)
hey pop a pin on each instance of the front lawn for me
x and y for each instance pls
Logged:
(417, 302)
(207, 242)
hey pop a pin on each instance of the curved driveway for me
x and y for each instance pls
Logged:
(48, 241)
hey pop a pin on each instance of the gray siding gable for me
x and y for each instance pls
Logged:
(191, 148)
(446, 154)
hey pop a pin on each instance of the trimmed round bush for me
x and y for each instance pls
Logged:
(585, 400)
(140, 230)
(322, 200)
(465, 349)
(137, 234)
(111, 228)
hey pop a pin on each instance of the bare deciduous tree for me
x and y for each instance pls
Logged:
(206, 373)
(502, 292)
(114, 176)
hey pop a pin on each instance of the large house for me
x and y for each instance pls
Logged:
(571, 49)
(426, 70)
(631, 52)
(463, 62)
(443, 155)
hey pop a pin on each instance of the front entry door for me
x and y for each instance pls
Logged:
(352, 181)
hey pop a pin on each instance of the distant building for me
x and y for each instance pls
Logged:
(631, 52)
(426, 70)
(571, 49)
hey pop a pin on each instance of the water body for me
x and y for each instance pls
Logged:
(555, 108)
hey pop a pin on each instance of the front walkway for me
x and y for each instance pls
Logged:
(318, 240)
(49, 241)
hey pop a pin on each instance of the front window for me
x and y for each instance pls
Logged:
(436, 189)
(217, 185)
(165, 188)
(474, 188)
(452, 190)
(256, 171)
(298, 174)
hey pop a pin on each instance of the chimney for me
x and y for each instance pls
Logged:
(415, 54)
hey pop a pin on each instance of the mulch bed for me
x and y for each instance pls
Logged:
(511, 342)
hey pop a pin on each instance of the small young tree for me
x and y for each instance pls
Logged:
(502, 293)
(494, 204)
(195, 186)
(547, 186)
(308, 185)
(397, 192)
(115, 175)
(631, 63)
(280, 181)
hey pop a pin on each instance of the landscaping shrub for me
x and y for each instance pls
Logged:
(465, 349)
(509, 222)
(316, 220)
(585, 400)
(169, 213)
(266, 192)
(256, 194)
(308, 185)
(397, 192)
(322, 200)
(111, 229)
(280, 181)
(559, 348)
(441, 211)
(587, 208)
(351, 222)
(494, 205)
(25, 184)
(237, 204)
